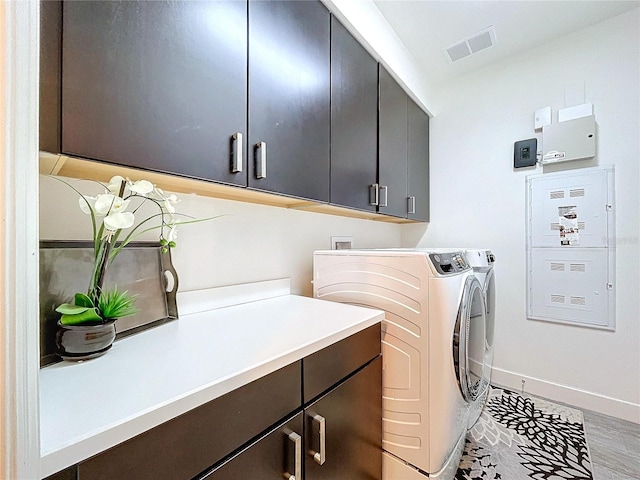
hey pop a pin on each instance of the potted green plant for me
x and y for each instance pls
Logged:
(86, 328)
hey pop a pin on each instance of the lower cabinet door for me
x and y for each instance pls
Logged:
(276, 455)
(343, 429)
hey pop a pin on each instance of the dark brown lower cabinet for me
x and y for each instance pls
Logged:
(319, 418)
(342, 438)
(343, 429)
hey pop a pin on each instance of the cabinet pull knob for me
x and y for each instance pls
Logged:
(374, 194)
(297, 463)
(384, 190)
(261, 160)
(236, 153)
(319, 456)
(411, 205)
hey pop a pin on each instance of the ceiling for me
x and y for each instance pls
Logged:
(428, 27)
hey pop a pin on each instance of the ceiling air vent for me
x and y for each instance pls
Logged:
(472, 44)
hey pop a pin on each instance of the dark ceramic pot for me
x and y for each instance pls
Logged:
(83, 342)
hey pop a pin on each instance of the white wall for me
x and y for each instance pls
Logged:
(247, 243)
(478, 199)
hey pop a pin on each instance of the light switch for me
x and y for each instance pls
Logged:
(542, 117)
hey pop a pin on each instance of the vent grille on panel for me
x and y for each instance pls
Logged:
(578, 301)
(472, 44)
(573, 267)
(556, 194)
(576, 192)
(557, 298)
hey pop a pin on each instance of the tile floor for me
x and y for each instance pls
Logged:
(614, 447)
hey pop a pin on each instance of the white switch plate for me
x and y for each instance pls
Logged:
(341, 243)
(543, 117)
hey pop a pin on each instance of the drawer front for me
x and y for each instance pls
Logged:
(189, 444)
(327, 367)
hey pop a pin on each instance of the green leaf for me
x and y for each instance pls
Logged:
(68, 309)
(82, 300)
(90, 315)
(115, 304)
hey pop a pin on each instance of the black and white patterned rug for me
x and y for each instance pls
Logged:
(519, 437)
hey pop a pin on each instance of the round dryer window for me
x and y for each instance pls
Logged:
(470, 341)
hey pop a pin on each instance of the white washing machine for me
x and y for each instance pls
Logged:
(480, 363)
(482, 260)
(434, 324)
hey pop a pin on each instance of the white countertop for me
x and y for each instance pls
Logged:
(156, 375)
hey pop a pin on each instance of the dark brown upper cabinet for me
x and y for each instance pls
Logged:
(354, 120)
(403, 142)
(418, 163)
(289, 109)
(157, 85)
(392, 147)
(50, 44)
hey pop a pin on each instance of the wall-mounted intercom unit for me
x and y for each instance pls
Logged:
(524, 153)
(569, 140)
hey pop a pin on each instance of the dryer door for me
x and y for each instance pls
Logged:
(489, 294)
(470, 341)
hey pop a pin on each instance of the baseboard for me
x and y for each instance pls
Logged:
(571, 396)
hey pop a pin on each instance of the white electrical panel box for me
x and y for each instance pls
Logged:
(570, 140)
(571, 247)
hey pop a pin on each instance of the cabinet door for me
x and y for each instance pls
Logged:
(156, 85)
(351, 416)
(50, 41)
(354, 120)
(270, 457)
(418, 160)
(392, 153)
(289, 98)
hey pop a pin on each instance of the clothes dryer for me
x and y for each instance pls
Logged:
(482, 260)
(434, 322)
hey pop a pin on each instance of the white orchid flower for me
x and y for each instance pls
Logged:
(119, 220)
(141, 187)
(169, 203)
(107, 203)
(87, 203)
(115, 183)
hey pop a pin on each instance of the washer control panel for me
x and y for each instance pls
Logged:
(449, 263)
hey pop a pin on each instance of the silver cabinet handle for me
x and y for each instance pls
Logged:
(374, 191)
(236, 153)
(319, 456)
(261, 160)
(411, 205)
(297, 468)
(383, 195)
